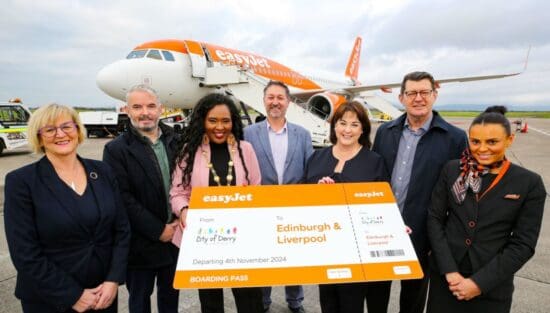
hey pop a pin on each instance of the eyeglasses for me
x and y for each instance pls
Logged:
(423, 93)
(49, 131)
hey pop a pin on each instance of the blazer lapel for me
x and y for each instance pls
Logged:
(266, 146)
(292, 145)
(137, 150)
(98, 187)
(395, 137)
(58, 190)
(202, 158)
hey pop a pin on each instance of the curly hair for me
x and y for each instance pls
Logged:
(194, 133)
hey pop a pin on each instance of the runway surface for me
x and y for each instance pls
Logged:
(532, 294)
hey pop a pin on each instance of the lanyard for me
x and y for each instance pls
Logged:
(503, 170)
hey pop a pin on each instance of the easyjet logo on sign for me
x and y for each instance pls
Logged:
(236, 197)
(369, 194)
(242, 58)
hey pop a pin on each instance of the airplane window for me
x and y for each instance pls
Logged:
(167, 55)
(154, 54)
(136, 54)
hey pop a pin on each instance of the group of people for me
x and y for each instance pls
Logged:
(78, 228)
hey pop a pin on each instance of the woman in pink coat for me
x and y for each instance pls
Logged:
(214, 154)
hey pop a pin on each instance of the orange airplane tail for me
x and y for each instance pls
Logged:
(352, 70)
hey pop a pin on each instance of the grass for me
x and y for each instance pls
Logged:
(511, 114)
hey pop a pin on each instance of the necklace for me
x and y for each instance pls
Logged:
(229, 177)
(68, 176)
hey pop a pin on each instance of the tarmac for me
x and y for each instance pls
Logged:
(532, 293)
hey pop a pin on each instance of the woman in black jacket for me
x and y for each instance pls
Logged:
(348, 160)
(484, 222)
(65, 222)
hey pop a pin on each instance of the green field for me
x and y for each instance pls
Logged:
(511, 114)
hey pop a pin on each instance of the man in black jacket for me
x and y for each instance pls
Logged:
(142, 160)
(415, 147)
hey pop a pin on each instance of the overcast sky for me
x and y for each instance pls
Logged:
(52, 50)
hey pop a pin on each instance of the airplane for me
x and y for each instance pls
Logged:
(183, 71)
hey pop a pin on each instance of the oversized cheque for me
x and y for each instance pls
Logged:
(292, 235)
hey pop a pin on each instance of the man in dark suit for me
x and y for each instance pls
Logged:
(415, 147)
(282, 149)
(143, 159)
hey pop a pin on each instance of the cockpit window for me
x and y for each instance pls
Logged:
(154, 54)
(136, 54)
(168, 56)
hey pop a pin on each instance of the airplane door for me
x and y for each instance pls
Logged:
(197, 57)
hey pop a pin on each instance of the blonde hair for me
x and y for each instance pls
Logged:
(46, 115)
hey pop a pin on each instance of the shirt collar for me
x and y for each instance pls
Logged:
(425, 127)
(282, 131)
(149, 140)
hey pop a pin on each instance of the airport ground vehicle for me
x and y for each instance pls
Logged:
(14, 117)
(104, 123)
(175, 120)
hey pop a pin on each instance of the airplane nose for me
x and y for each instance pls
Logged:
(112, 80)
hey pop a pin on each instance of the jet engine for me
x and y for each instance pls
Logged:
(324, 104)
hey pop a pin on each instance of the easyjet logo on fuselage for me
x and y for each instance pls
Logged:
(247, 59)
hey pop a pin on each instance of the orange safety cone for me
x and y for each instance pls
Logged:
(524, 129)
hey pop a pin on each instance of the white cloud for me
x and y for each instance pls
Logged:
(52, 50)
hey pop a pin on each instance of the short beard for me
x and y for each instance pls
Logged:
(143, 129)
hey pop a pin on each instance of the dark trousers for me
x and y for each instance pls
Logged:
(140, 284)
(31, 307)
(413, 294)
(414, 291)
(247, 300)
(294, 296)
(350, 298)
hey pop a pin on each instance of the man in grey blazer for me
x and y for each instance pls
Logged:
(282, 149)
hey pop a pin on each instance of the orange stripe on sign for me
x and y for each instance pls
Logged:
(393, 270)
(266, 276)
(290, 195)
(329, 274)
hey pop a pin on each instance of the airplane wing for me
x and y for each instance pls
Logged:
(384, 87)
(381, 105)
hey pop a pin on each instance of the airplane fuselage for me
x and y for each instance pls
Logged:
(177, 81)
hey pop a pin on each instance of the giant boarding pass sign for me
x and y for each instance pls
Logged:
(294, 235)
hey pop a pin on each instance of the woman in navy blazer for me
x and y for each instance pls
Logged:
(484, 222)
(65, 223)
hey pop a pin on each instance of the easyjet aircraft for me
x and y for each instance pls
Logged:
(183, 71)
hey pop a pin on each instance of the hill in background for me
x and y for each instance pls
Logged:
(482, 107)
